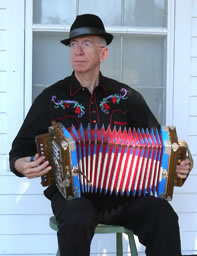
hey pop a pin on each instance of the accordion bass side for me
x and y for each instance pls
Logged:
(134, 162)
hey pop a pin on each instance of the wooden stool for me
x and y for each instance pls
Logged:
(106, 229)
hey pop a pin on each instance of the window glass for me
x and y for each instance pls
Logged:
(144, 68)
(143, 60)
(54, 12)
(137, 13)
(145, 13)
(137, 60)
(111, 67)
(155, 98)
(108, 10)
(51, 60)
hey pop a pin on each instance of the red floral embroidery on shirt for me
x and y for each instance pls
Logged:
(114, 99)
(78, 108)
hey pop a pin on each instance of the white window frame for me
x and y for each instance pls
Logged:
(168, 32)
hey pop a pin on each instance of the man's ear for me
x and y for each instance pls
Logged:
(104, 54)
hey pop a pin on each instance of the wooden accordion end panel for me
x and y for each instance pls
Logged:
(61, 153)
(133, 162)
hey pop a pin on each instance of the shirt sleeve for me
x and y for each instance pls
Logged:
(139, 113)
(36, 122)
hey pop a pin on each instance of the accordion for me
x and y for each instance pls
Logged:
(129, 162)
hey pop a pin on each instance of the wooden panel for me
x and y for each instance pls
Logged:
(193, 86)
(193, 106)
(3, 144)
(14, 185)
(22, 204)
(3, 122)
(194, 26)
(3, 40)
(3, 62)
(3, 81)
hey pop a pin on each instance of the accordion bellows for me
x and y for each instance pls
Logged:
(133, 162)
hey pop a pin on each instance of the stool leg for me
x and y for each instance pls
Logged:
(119, 244)
(132, 244)
(58, 252)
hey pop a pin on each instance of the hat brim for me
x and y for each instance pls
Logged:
(85, 31)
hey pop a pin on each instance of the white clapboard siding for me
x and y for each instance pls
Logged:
(3, 143)
(3, 122)
(3, 101)
(3, 58)
(193, 87)
(4, 165)
(3, 80)
(14, 185)
(38, 244)
(24, 204)
(185, 203)
(24, 224)
(188, 242)
(189, 186)
(3, 42)
(27, 244)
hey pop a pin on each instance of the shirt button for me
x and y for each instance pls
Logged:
(83, 89)
(93, 111)
(94, 121)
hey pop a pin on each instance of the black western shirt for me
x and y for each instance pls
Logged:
(111, 103)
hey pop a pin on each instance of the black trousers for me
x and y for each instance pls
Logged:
(153, 220)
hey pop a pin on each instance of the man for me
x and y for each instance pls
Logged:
(81, 98)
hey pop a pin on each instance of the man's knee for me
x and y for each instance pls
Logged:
(78, 211)
(162, 208)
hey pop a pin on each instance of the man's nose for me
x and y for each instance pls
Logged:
(79, 49)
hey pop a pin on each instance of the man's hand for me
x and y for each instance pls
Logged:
(32, 169)
(183, 169)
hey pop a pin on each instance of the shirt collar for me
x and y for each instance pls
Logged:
(76, 87)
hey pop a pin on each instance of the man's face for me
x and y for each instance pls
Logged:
(87, 53)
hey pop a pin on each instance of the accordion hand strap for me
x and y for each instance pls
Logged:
(187, 154)
(78, 171)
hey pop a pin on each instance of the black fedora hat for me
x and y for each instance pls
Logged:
(88, 24)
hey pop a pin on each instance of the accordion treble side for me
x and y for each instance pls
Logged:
(60, 151)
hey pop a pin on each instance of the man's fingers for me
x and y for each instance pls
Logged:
(36, 168)
(182, 175)
(38, 173)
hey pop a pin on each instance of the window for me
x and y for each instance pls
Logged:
(140, 54)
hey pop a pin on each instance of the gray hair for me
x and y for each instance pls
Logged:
(103, 42)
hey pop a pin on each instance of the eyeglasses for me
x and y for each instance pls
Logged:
(85, 46)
